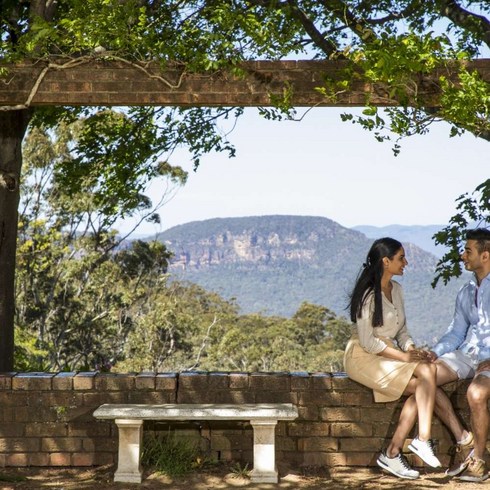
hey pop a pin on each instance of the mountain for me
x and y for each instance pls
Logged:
(271, 264)
(417, 234)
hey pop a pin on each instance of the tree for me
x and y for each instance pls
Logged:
(392, 43)
(73, 30)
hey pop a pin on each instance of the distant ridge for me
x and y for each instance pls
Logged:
(420, 235)
(271, 264)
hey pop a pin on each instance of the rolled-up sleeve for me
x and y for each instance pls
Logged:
(456, 333)
(367, 339)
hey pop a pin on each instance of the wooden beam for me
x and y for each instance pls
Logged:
(98, 81)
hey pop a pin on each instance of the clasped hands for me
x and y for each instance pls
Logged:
(421, 355)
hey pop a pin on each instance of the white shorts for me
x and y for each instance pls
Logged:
(463, 364)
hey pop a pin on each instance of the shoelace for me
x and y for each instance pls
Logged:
(430, 443)
(404, 461)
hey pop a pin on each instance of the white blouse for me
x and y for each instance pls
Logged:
(394, 323)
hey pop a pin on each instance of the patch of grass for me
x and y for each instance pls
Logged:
(170, 455)
(12, 478)
(240, 472)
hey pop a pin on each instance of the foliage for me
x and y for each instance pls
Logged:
(285, 260)
(102, 160)
(473, 212)
(168, 454)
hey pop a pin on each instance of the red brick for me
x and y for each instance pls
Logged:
(98, 444)
(145, 381)
(300, 383)
(335, 414)
(90, 429)
(19, 444)
(360, 444)
(153, 397)
(321, 381)
(11, 430)
(61, 444)
(83, 459)
(46, 429)
(238, 381)
(6, 381)
(63, 381)
(95, 400)
(276, 397)
(228, 396)
(104, 458)
(306, 429)
(272, 382)
(41, 382)
(84, 381)
(17, 459)
(309, 413)
(114, 382)
(351, 430)
(166, 382)
(323, 444)
(60, 459)
(193, 381)
(319, 397)
(38, 459)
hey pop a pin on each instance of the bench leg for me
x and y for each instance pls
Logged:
(130, 442)
(264, 470)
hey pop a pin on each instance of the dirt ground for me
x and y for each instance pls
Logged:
(218, 478)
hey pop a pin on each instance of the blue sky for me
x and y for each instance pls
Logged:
(322, 166)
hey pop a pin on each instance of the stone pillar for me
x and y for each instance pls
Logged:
(264, 470)
(130, 443)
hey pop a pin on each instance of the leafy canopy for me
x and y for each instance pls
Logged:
(407, 48)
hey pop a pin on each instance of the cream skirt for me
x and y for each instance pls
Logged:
(387, 378)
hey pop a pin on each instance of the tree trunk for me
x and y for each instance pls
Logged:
(13, 125)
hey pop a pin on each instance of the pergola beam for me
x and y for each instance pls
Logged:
(105, 82)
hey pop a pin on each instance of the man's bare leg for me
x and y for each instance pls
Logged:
(478, 396)
(444, 408)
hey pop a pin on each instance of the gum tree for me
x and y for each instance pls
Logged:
(396, 44)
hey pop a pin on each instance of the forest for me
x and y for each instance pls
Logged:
(89, 300)
(73, 296)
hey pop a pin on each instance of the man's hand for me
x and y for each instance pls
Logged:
(419, 355)
(483, 366)
(431, 356)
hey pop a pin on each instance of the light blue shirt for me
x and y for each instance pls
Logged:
(470, 329)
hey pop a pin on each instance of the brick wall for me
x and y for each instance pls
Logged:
(99, 81)
(46, 419)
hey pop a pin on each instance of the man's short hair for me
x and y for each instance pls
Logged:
(482, 238)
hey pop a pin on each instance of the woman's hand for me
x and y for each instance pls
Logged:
(416, 355)
(411, 355)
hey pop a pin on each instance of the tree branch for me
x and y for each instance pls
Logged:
(476, 24)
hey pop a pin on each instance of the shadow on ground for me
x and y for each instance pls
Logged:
(342, 478)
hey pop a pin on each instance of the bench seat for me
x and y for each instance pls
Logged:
(262, 416)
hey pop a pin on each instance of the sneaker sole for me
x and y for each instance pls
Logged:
(461, 467)
(473, 479)
(387, 468)
(457, 471)
(415, 451)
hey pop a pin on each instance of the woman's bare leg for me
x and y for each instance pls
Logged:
(425, 396)
(407, 419)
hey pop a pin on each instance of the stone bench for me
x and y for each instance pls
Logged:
(263, 417)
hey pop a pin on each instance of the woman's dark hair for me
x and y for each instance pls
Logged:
(369, 279)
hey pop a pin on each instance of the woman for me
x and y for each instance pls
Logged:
(382, 356)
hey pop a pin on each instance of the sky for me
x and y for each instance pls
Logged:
(321, 166)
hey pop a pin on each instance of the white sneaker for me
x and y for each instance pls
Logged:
(398, 466)
(425, 451)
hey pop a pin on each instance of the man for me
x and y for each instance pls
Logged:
(463, 352)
